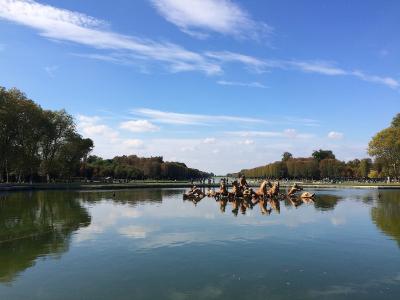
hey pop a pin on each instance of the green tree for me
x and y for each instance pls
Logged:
(365, 167)
(58, 126)
(73, 155)
(385, 147)
(396, 121)
(286, 156)
(323, 154)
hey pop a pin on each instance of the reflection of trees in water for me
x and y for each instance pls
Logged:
(34, 225)
(326, 202)
(321, 202)
(131, 197)
(386, 214)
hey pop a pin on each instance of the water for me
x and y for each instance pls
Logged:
(150, 244)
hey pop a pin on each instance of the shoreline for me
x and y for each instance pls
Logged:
(120, 186)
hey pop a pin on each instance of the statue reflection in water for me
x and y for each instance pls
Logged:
(242, 197)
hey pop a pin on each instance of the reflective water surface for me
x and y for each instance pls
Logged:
(150, 244)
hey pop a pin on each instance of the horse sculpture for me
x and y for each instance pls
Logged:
(236, 190)
(274, 190)
(263, 189)
(222, 192)
(296, 188)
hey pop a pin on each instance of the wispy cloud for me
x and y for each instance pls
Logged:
(189, 119)
(253, 63)
(260, 65)
(199, 18)
(315, 67)
(287, 133)
(331, 70)
(254, 84)
(334, 135)
(70, 26)
(303, 121)
(139, 126)
(388, 81)
(65, 25)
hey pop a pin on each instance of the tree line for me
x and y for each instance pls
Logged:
(134, 167)
(43, 145)
(321, 164)
(384, 148)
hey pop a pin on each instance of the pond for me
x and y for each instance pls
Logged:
(150, 244)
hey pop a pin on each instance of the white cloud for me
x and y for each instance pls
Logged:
(209, 140)
(189, 119)
(256, 133)
(108, 141)
(319, 67)
(139, 126)
(303, 121)
(254, 84)
(253, 63)
(388, 81)
(246, 142)
(200, 17)
(334, 135)
(133, 143)
(327, 69)
(61, 24)
(65, 25)
(287, 133)
(90, 127)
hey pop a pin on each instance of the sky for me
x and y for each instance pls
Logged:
(220, 85)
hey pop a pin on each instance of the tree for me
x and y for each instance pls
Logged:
(396, 121)
(323, 154)
(286, 156)
(365, 167)
(330, 168)
(72, 155)
(373, 174)
(385, 147)
(58, 127)
(8, 132)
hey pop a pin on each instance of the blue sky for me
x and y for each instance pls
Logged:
(220, 85)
